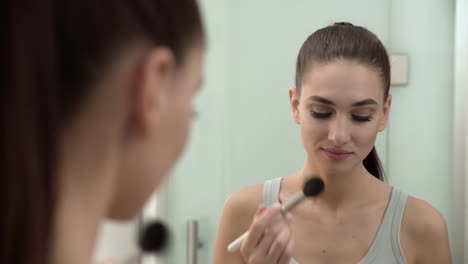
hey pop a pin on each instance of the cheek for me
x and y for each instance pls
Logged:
(313, 132)
(182, 101)
(364, 137)
(181, 119)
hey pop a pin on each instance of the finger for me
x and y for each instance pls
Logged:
(261, 209)
(258, 227)
(279, 245)
(245, 248)
(286, 255)
(273, 234)
(265, 243)
(289, 218)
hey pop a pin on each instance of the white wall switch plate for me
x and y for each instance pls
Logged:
(399, 69)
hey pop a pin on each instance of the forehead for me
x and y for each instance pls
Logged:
(343, 80)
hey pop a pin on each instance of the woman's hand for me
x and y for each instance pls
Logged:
(270, 238)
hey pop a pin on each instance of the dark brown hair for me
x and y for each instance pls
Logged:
(53, 52)
(346, 41)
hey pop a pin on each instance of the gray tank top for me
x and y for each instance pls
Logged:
(386, 248)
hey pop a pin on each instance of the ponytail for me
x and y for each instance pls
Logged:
(28, 127)
(373, 165)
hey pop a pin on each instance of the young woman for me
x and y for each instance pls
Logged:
(341, 101)
(96, 107)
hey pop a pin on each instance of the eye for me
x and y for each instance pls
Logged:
(360, 118)
(321, 115)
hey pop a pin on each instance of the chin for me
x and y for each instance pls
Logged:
(333, 167)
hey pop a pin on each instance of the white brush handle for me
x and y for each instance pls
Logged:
(236, 244)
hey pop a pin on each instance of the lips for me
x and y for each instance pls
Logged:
(336, 154)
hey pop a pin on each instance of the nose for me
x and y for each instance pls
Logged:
(338, 131)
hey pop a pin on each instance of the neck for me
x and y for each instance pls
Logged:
(85, 189)
(341, 189)
(74, 232)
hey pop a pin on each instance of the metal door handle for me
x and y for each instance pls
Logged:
(193, 242)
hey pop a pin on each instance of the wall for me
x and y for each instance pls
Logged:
(421, 124)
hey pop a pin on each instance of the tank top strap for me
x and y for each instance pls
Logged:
(271, 189)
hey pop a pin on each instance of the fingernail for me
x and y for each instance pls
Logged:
(261, 208)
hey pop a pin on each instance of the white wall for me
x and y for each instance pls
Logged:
(421, 118)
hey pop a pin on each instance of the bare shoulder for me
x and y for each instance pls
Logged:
(246, 200)
(424, 234)
(238, 212)
(422, 221)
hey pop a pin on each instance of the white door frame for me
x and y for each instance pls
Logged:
(459, 230)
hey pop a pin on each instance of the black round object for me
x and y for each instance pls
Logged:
(313, 187)
(154, 237)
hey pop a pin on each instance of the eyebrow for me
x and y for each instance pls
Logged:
(322, 100)
(364, 102)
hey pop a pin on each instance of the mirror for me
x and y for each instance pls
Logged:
(245, 133)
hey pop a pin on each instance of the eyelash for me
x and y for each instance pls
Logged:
(356, 118)
(362, 118)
